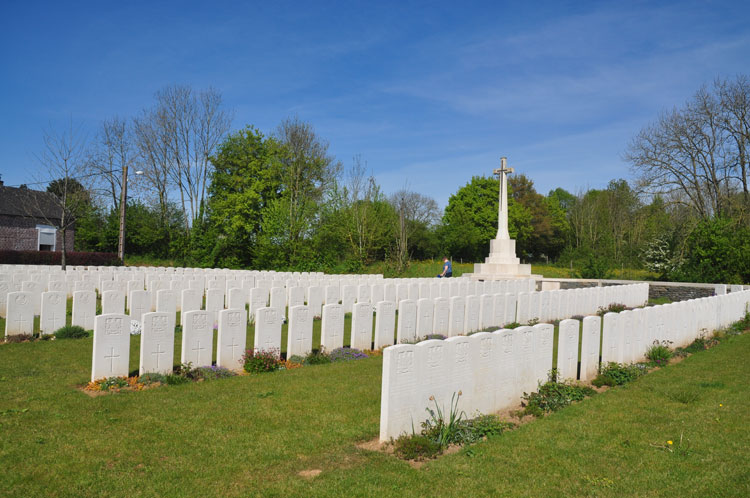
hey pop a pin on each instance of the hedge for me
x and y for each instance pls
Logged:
(54, 258)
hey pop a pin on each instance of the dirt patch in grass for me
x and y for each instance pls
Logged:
(309, 474)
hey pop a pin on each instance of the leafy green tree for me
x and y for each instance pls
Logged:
(470, 219)
(245, 183)
(717, 252)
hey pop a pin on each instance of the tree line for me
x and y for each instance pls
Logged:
(208, 196)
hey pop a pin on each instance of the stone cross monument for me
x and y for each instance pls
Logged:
(502, 213)
(502, 262)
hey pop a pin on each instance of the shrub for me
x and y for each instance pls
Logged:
(616, 374)
(512, 325)
(596, 268)
(316, 358)
(346, 354)
(485, 426)
(152, 378)
(71, 332)
(211, 373)
(416, 447)
(258, 361)
(19, 338)
(659, 353)
(554, 395)
(612, 308)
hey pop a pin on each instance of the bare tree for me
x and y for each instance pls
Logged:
(175, 141)
(154, 157)
(413, 209)
(63, 160)
(111, 152)
(698, 154)
(307, 171)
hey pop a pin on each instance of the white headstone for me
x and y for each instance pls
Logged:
(400, 387)
(296, 296)
(53, 312)
(20, 318)
(157, 343)
(523, 359)
(611, 339)
(315, 300)
(84, 309)
(544, 334)
(139, 302)
(471, 314)
(113, 302)
(567, 350)
(407, 321)
(299, 337)
(441, 316)
(487, 312)
(214, 303)
(111, 356)
(166, 302)
(348, 297)
(258, 300)
(268, 330)
(332, 294)
(385, 324)
(425, 317)
(35, 289)
(361, 334)
(197, 338)
(458, 311)
(232, 336)
(332, 327)
(590, 347)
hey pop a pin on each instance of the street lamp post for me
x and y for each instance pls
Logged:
(123, 206)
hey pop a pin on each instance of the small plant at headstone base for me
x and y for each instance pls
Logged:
(319, 357)
(114, 384)
(485, 426)
(211, 373)
(135, 327)
(616, 374)
(444, 428)
(612, 308)
(532, 322)
(150, 378)
(553, 395)
(511, 325)
(296, 359)
(440, 337)
(699, 344)
(19, 338)
(659, 353)
(71, 332)
(346, 354)
(261, 360)
(416, 447)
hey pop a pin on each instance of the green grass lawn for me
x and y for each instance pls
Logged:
(252, 435)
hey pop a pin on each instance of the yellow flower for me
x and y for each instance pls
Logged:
(720, 405)
(669, 442)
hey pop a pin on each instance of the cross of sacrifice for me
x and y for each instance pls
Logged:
(111, 359)
(158, 353)
(502, 221)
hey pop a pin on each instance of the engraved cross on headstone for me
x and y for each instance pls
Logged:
(502, 216)
(233, 346)
(158, 353)
(111, 359)
(197, 349)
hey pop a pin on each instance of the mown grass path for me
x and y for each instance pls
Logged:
(252, 435)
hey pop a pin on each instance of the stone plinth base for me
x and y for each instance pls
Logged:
(502, 263)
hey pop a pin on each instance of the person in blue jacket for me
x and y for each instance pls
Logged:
(447, 268)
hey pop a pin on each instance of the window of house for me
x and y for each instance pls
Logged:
(47, 237)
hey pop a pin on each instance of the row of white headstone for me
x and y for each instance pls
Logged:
(493, 370)
(447, 316)
(111, 350)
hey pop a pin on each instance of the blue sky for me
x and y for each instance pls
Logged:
(429, 93)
